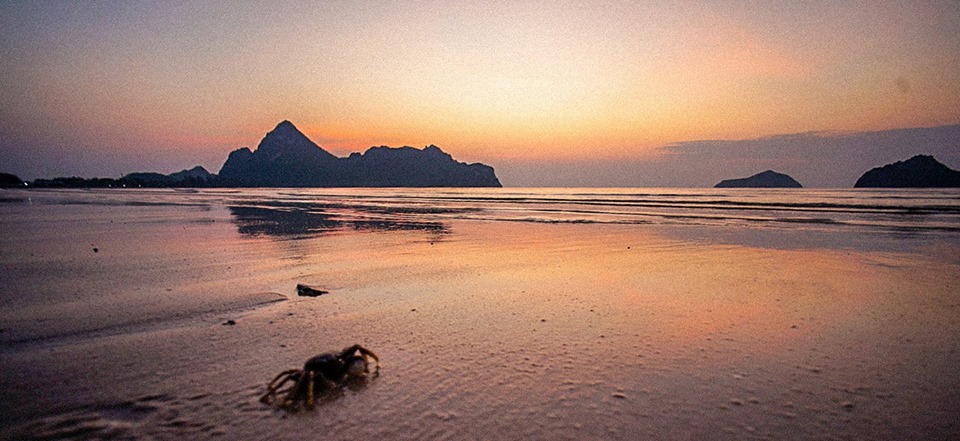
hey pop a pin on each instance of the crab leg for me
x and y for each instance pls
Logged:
(310, 390)
(285, 375)
(290, 401)
(277, 383)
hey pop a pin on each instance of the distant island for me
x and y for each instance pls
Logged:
(921, 171)
(194, 178)
(767, 179)
(287, 158)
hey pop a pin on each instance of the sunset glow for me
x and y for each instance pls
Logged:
(122, 86)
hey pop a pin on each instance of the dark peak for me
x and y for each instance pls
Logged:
(919, 161)
(196, 172)
(286, 129)
(923, 159)
(384, 151)
(920, 171)
(285, 125)
(286, 141)
(241, 152)
(428, 152)
(434, 151)
(766, 179)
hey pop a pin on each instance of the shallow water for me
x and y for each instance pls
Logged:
(496, 314)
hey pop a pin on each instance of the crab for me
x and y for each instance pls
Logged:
(322, 375)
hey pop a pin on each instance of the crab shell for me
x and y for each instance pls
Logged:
(338, 367)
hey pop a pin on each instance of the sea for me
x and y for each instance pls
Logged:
(825, 217)
(922, 214)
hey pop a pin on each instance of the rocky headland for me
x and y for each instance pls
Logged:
(767, 179)
(287, 158)
(921, 171)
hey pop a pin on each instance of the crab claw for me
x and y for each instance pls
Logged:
(364, 352)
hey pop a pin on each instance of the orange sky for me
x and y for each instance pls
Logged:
(487, 81)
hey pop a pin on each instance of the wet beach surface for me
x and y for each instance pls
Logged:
(486, 328)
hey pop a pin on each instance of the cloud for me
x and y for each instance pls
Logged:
(816, 159)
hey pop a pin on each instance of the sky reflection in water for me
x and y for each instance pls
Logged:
(884, 220)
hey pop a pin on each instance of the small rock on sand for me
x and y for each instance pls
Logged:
(229, 323)
(308, 291)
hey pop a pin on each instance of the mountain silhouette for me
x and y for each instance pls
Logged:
(195, 177)
(921, 171)
(767, 179)
(287, 158)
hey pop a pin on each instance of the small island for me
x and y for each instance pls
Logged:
(921, 171)
(767, 179)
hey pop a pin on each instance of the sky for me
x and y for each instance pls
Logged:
(556, 93)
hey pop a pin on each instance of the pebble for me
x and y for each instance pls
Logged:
(309, 291)
(229, 323)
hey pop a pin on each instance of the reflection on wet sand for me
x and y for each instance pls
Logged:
(287, 221)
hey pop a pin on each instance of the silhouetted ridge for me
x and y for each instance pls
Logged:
(195, 177)
(921, 171)
(767, 179)
(287, 158)
(10, 180)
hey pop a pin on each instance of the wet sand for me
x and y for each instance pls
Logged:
(485, 330)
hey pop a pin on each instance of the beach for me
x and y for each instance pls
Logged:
(496, 314)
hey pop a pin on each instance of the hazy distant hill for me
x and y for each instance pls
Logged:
(767, 179)
(287, 158)
(195, 177)
(921, 171)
